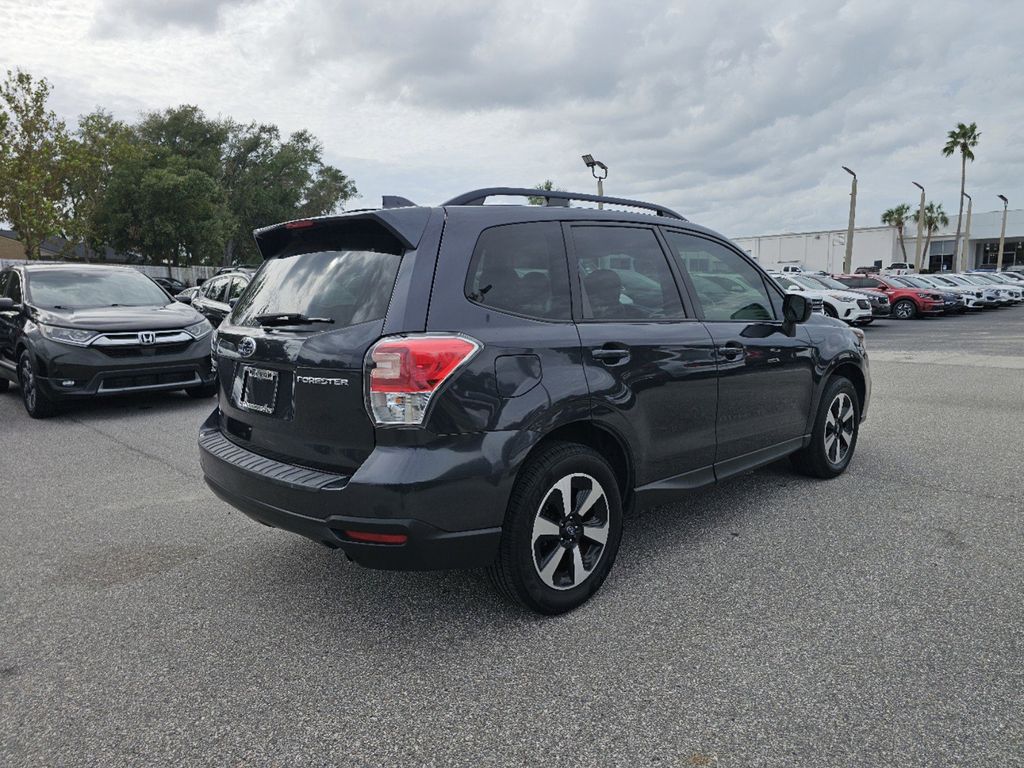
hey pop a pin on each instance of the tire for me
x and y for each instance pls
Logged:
(830, 311)
(543, 550)
(37, 403)
(904, 309)
(202, 392)
(832, 448)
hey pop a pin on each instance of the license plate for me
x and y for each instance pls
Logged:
(259, 390)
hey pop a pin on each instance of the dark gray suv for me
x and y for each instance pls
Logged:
(496, 385)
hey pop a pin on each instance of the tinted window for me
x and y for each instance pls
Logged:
(237, 286)
(624, 275)
(215, 289)
(347, 287)
(727, 286)
(14, 287)
(4, 277)
(82, 288)
(521, 268)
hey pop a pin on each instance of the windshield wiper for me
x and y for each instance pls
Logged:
(290, 318)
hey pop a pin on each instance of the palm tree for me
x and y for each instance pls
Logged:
(963, 139)
(897, 217)
(934, 219)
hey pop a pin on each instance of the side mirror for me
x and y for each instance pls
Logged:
(796, 308)
(8, 305)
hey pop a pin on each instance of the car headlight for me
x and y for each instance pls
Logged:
(859, 335)
(200, 329)
(925, 296)
(75, 336)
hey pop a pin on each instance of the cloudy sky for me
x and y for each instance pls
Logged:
(737, 114)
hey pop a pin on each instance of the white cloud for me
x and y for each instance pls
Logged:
(738, 114)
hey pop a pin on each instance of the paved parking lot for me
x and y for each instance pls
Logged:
(877, 619)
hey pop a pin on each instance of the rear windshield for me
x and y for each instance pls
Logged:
(85, 289)
(346, 287)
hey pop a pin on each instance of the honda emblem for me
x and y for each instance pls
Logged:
(147, 337)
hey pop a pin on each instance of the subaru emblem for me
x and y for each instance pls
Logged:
(247, 346)
(147, 337)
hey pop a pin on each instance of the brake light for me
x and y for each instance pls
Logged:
(300, 224)
(405, 372)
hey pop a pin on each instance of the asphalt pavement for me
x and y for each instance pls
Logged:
(873, 620)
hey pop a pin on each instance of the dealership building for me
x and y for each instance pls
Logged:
(879, 246)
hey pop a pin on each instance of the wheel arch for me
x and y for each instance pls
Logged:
(851, 371)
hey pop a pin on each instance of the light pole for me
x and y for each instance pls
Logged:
(967, 236)
(919, 246)
(848, 259)
(593, 165)
(1002, 235)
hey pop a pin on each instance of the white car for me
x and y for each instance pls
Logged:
(974, 295)
(792, 268)
(1008, 294)
(852, 308)
(899, 268)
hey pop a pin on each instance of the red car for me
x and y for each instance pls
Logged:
(906, 302)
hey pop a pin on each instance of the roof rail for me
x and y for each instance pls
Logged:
(478, 196)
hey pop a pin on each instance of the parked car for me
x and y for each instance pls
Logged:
(78, 331)
(872, 270)
(844, 305)
(906, 302)
(186, 296)
(880, 306)
(991, 296)
(1009, 287)
(899, 268)
(425, 403)
(973, 297)
(218, 294)
(951, 300)
(791, 268)
(171, 285)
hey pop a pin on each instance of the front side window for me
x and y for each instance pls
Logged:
(14, 288)
(4, 278)
(624, 275)
(237, 286)
(521, 268)
(214, 289)
(727, 286)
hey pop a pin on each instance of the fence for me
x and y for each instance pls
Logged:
(187, 275)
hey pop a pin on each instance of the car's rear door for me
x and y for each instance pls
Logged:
(650, 364)
(765, 371)
(8, 327)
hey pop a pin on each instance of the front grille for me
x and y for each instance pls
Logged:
(143, 380)
(147, 351)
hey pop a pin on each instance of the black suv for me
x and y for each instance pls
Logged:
(73, 331)
(494, 385)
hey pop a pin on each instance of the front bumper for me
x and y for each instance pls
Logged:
(65, 371)
(449, 498)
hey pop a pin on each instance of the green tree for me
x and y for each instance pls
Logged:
(962, 139)
(267, 180)
(897, 217)
(548, 186)
(102, 144)
(935, 218)
(34, 161)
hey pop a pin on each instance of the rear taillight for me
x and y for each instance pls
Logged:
(405, 372)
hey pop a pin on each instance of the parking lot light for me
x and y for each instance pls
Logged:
(966, 245)
(919, 247)
(1002, 234)
(601, 175)
(848, 259)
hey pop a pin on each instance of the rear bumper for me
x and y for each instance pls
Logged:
(449, 498)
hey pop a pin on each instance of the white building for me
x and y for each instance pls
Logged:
(879, 246)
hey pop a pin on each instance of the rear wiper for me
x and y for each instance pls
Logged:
(290, 318)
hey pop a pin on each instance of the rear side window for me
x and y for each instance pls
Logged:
(237, 286)
(624, 275)
(4, 277)
(521, 268)
(727, 285)
(214, 289)
(343, 274)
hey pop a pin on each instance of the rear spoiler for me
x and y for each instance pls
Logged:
(406, 224)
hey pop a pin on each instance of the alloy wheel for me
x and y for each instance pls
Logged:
(839, 427)
(570, 531)
(903, 310)
(28, 384)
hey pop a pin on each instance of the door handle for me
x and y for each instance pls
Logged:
(610, 355)
(732, 350)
